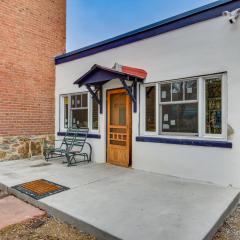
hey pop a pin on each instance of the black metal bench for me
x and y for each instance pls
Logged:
(72, 145)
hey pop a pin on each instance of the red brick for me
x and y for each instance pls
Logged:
(31, 34)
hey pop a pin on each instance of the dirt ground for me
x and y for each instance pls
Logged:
(43, 228)
(231, 227)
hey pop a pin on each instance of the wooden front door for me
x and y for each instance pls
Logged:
(119, 127)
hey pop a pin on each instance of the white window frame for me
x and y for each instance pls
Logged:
(77, 108)
(90, 115)
(223, 78)
(201, 99)
(161, 132)
(150, 133)
(89, 107)
(61, 111)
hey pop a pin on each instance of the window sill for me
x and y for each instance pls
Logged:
(90, 135)
(192, 142)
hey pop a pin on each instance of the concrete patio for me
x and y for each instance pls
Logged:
(118, 203)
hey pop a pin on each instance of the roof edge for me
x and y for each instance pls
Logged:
(92, 49)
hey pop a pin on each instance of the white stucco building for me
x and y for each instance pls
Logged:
(182, 117)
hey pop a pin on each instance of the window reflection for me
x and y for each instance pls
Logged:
(150, 119)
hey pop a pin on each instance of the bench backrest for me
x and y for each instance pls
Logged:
(75, 138)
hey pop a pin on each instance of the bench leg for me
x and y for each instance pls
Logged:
(68, 160)
(46, 156)
(90, 153)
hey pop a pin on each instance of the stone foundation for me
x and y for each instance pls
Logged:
(19, 147)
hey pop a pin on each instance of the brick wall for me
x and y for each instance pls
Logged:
(32, 32)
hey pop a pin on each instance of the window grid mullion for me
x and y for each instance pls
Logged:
(179, 102)
(69, 105)
(183, 86)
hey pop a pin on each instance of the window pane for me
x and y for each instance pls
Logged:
(65, 112)
(191, 90)
(150, 109)
(79, 118)
(166, 92)
(94, 114)
(78, 101)
(177, 91)
(84, 100)
(180, 118)
(118, 109)
(213, 106)
(73, 101)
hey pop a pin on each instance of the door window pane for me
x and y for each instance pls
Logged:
(177, 91)
(165, 92)
(78, 103)
(191, 90)
(150, 119)
(118, 109)
(65, 112)
(84, 100)
(79, 118)
(213, 106)
(73, 101)
(94, 114)
(180, 118)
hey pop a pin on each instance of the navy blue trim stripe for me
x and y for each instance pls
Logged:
(203, 143)
(89, 135)
(204, 13)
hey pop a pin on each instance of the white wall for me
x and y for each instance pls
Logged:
(204, 48)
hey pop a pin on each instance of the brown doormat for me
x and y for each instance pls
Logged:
(40, 188)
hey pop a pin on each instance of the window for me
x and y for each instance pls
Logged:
(150, 119)
(79, 110)
(180, 118)
(76, 112)
(165, 92)
(179, 107)
(94, 114)
(66, 105)
(213, 94)
(193, 107)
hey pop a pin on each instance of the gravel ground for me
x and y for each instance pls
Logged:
(2, 194)
(43, 228)
(231, 227)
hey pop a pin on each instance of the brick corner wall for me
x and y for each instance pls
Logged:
(32, 33)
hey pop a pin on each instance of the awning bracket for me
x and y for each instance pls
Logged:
(131, 90)
(95, 95)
